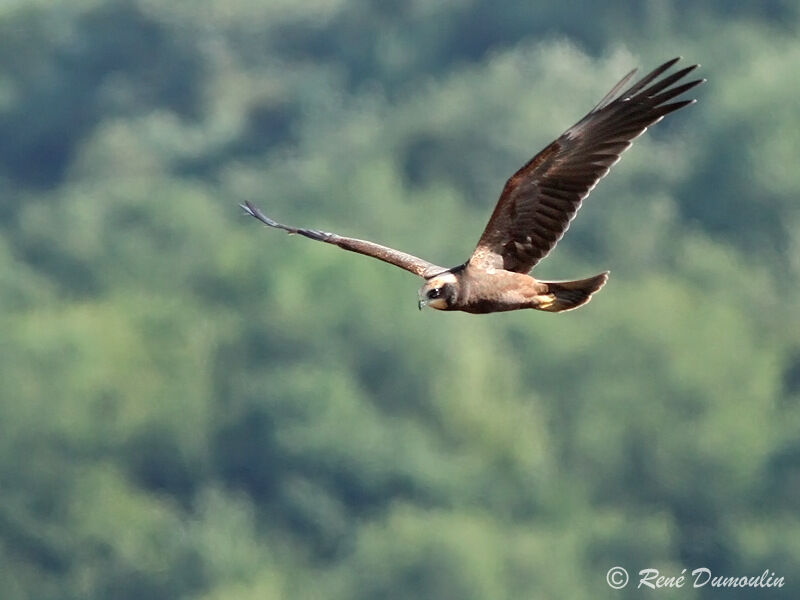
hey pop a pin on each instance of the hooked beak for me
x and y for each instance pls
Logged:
(421, 303)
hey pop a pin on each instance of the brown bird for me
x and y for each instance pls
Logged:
(535, 209)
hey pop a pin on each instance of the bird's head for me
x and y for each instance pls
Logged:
(439, 292)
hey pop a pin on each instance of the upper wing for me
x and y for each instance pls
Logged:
(539, 201)
(400, 259)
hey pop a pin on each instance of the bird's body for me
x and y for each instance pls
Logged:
(477, 291)
(535, 209)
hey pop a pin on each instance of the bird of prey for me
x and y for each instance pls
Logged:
(535, 208)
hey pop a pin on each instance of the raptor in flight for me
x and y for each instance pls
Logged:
(536, 207)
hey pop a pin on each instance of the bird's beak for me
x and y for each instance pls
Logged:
(422, 303)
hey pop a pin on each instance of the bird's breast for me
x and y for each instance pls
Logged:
(497, 291)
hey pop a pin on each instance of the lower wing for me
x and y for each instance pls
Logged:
(410, 263)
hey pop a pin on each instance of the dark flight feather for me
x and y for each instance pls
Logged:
(539, 201)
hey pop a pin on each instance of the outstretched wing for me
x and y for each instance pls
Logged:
(415, 265)
(539, 201)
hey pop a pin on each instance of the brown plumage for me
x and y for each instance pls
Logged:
(535, 208)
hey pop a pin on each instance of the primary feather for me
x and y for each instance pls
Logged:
(539, 201)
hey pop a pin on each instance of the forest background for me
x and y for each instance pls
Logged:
(194, 407)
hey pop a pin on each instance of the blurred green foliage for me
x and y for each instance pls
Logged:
(194, 408)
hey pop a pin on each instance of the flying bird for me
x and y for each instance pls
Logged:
(535, 208)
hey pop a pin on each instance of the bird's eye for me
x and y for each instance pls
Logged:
(435, 293)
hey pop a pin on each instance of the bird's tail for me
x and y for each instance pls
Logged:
(568, 295)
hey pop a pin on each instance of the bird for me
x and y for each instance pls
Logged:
(535, 208)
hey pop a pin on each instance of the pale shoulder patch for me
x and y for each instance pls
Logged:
(440, 280)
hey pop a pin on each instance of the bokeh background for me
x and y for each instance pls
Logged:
(194, 407)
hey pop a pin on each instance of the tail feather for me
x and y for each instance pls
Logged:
(569, 295)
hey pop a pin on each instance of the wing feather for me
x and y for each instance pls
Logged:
(410, 263)
(539, 201)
